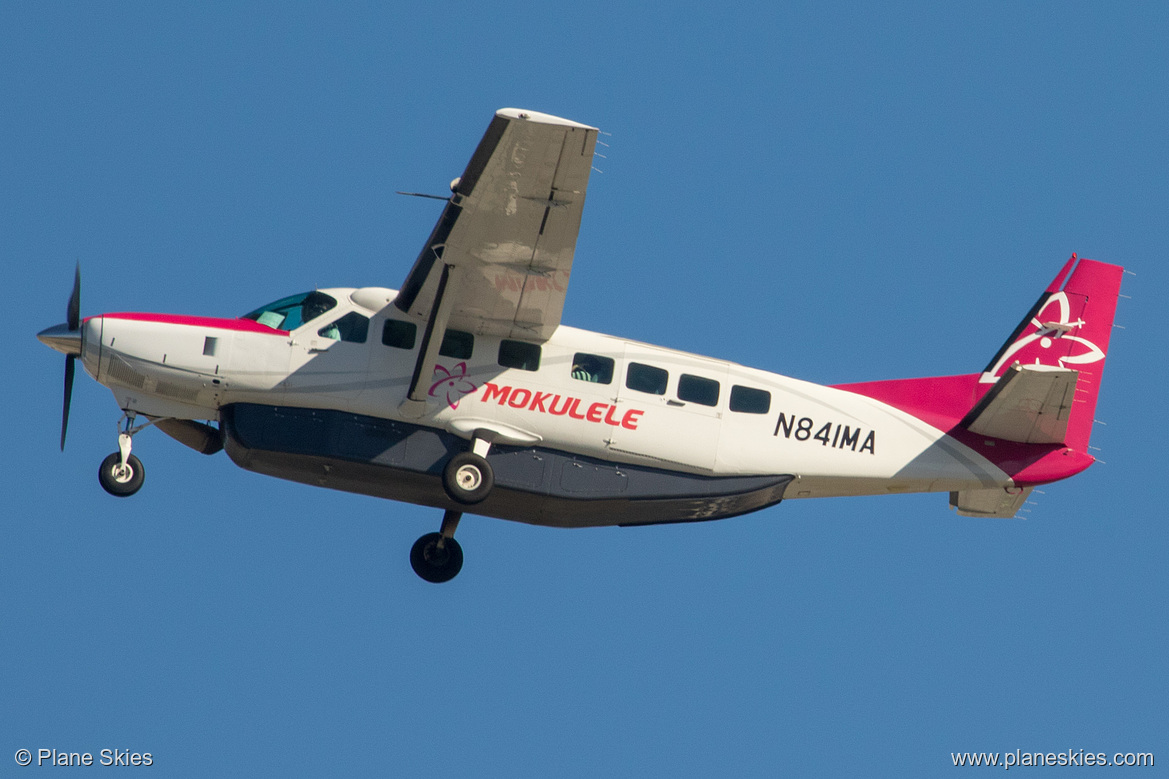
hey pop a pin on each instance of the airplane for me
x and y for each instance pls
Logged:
(463, 391)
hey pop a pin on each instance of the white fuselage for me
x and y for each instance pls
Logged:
(750, 422)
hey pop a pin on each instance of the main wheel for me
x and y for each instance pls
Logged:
(434, 563)
(121, 480)
(468, 478)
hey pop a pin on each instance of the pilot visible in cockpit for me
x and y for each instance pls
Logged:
(314, 305)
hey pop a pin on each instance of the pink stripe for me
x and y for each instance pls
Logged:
(241, 325)
(941, 401)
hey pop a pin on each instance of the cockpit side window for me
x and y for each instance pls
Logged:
(352, 327)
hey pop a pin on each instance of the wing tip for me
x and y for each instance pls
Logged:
(540, 118)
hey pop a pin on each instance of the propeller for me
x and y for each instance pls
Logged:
(66, 338)
(73, 322)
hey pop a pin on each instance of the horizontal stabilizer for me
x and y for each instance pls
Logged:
(1029, 404)
(989, 503)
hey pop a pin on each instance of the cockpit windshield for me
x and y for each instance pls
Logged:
(291, 312)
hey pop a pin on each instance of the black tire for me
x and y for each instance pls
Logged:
(468, 478)
(433, 564)
(121, 483)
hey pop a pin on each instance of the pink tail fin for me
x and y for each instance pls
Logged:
(1069, 327)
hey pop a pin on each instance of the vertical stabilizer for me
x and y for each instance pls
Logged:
(1068, 327)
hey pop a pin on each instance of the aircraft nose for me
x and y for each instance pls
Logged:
(61, 338)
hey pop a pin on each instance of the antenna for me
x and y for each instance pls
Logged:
(422, 194)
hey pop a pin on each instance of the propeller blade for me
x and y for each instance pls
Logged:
(69, 368)
(73, 312)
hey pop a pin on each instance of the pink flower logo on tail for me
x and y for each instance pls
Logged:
(1048, 340)
(451, 385)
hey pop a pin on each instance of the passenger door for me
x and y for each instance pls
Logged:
(680, 397)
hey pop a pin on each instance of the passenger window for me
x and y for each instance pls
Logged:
(399, 334)
(646, 378)
(748, 400)
(695, 389)
(457, 344)
(517, 354)
(592, 368)
(352, 327)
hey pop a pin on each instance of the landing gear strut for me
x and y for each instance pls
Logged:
(467, 479)
(121, 474)
(437, 557)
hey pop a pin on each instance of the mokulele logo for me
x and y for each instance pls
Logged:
(451, 385)
(561, 405)
(1047, 340)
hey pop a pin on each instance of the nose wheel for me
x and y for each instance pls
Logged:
(437, 557)
(121, 474)
(121, 479)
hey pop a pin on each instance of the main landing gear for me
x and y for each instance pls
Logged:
(467, 479)
(121, 474)
(437, 557)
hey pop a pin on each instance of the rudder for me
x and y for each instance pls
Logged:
(1068, 327)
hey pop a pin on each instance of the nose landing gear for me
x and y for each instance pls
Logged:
(121, 474)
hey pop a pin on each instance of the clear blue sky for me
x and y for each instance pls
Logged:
(833, 191)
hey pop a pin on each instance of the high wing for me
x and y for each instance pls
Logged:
(498, 261)
(509, 230)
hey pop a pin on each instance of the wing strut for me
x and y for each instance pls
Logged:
(415, 403)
